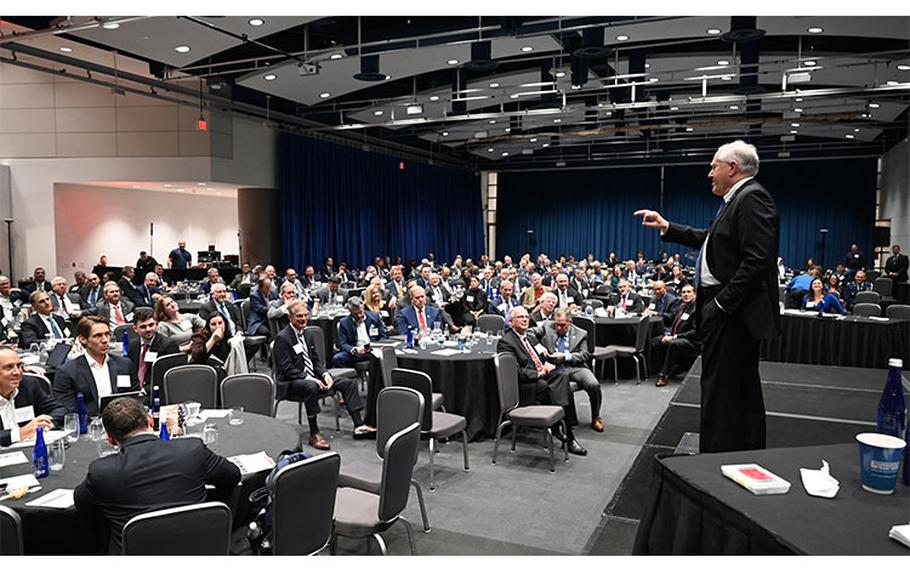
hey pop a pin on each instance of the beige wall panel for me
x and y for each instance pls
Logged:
(147, 144)
(40, 145)
(85, 119)
(87, 145)
(13, 121)
(26, 95)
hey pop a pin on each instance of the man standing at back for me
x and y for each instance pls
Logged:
(147, 473)
(179, 257)
(736, 281)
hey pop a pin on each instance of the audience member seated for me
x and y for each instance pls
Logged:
(580, 283)
(290, 277)
(245, 276)
(177, 327)
(374, 302)
(546, 309)
(112, 309)
(624, 301)
(79, 282)
(677, 279)
(278, 309)
(259, 308)
(97, 372)
(437, 295)
(148, 345)
(11, 299)
(91, 293)
(396, 285)
(126, 281)
(680, 339)
(505, 303)
(212, 276)
(567, 348)
(309, 278)
(164, 281)
(297, 363)
(567, 297)
(798, 286)
(24, 406)
(857, 285)
(356, 332)
(531, 296)
(539, 381)
(833, 285)
(330, 293)
(474, 302)
(65, 304)
(615, 276)
(418, 316)
(328, 269)
(219, 303)
(37, 283)
(43, 323)
(146, 294)
(841, 272)
(824, 303)
(211, 345)
(664, 303)
(147, 473)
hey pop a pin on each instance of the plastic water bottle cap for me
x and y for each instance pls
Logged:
(899, 363)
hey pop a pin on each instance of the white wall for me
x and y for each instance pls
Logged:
(895, 187)
(91, 221)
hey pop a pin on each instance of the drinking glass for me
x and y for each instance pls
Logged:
(71, 423)
(236, 416)
(210, 434)
(56, 455)
(96, 430)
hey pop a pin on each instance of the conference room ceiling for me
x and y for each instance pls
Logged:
(549, 91)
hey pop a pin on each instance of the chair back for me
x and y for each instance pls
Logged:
(868, 297)
(872, 275)
(397, 469)
(590, 327)
(243, 291)
(245, 311)
(189, 530)
(898, 311)
(10, 533)
(43, 381)
(490, 322)
(422, 383)
(506, 381)
(308, 485)
(883, 286)
(388, 360)
(191, 382)
(162, 365)
(867, 310)
(255, 392)
(603, 290)
(274, 328)
(117, 334)
(396, 409)
(354, 292)
(319, 339)
(642, 333)
(594, 303)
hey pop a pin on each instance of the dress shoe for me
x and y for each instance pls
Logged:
(576, 449)
(364, 432)
(597, 424)
(319, 442)
(662, 381)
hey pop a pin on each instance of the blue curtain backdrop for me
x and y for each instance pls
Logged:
(576, 212)
(353, 206)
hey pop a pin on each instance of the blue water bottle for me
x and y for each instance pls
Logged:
(83, 413)
(892, 409)
(39, 457)
(410, 338)
(156, 410)
(126, 344)
(164, 435)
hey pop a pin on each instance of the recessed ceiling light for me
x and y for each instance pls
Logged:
(336, 56)
(874, 105)
(182, 49)
(180, 189)
(794, 132)
(452, 62)
(434, 98)
(256, 22)
(903, 67)
(557, 120)
(653, 79)
(494, 85)
(560, 74)
(509, 129)
(674, 108)
(797, 109)
(66, 49)
(270, 77)
(798, 99)
(726, 78)
(492, 121)
(110, 25)
(689, 129)
(723, 62)
(526, 49)
(137, 187)
(849, 136)
(533, 140)
(576, 87)
(504, 154)
(513, 96)
(545, 145)
(325, 95)
(622, 37)
(734, 107)
(856, 130)
(815, 30)
(713, 31)
(647, 65)
(377, 113)
(489, 149)
(809, 63)
(445, 132)
(892, 83)
(794, 124)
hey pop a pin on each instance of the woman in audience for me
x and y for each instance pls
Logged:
(817, 299)
(677, 279)
(178, 327)
(212, 342)
(372, 301)
(474, 301)
(834, 285)
(616, 276)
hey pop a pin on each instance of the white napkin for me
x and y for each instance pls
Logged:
(901, 533)
(818, 482)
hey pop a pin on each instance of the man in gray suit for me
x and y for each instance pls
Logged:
(112, 309)
(567, 348)
(330, 292)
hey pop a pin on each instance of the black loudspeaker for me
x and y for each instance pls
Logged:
(881, 237)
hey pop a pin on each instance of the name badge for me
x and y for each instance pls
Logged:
(25, 414)
(384, 313)
(652, 306)
(810, 304)
(6, 320)
(570, 300)
(339, 299)
(66, 332)
(629, 303)
(469, 298)
(374, 332)
(684, 317)
(151, 356)
(540, 349)
(298, 348)
(584, 292)
(129, 316)
(501, 307)
(123, 381)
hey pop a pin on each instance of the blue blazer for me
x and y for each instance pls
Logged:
(408, 318)
(75, 376)
(142, 297)
(259, 311)
(347, 333)
(829, 304)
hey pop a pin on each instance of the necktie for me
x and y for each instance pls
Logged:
(562, 345)
(226, 316)
(422, 320)
(143, 366)
(533, 353)
(92, 297)
(305, 353)
(118, 315)
(508, 308)
(676, 323)
(57, 333)
(62, 301)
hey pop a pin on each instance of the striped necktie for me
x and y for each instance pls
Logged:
(305, 353)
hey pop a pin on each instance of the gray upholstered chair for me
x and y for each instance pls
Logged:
(191, 382)
(307, 486)
(10, 533)
(282, 391)
(201, 529)
(637, 352)
(388, 360)
(898, 311)
(868, 297)
(490, 322)
(161, 366)
(253, 391)
(867, 310)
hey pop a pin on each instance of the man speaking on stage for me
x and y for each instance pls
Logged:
(737, 297)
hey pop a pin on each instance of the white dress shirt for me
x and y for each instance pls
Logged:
(100, 374)
(50, 327)
(65, 306)
(363, 337)
(8, 416)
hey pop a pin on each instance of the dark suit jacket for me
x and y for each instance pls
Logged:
(580, 288)
(390, 286)
(527, 371)
(126, 287)
(160, 344)
(206, 309)
(667, 308)
(899, 265)
(31, 393)
(289, 365)
(431, 298)
(75, 376)
(684, 328)
(32, 286)
(408, 318)
(493, 307)
(576, 298)
(742, 254)
(149, 474)
(142, 296)
(578, 343)
(347, 333)
(239, 280)
(637, 305)
(259, 310)
(103, 310)
(84, 293)
(74, 299)
(34, 330)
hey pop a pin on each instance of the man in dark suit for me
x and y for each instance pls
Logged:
(397, 287)
(624, 300)
(297, 363)
(127, 275)
(147, 294)
(437, 295)
(539, 381)
(737, 297)
(144, 264)
(418, 316)
(43, 324)
(259, 308)
(219, 304)
(66, 305)
(37, 283)
(148, 346)
(97, 373)
(309, 277)
(147, 473)
(663, 304)
(278, 309)
(355, 334)
(679, 341)
(24, 406)
(91, 292)
(112, 309)
(328, 269)
(505, 303)
(212, 277)
(580, 283)
(567, 348)
(245, 276)
(330, 292)
(566, 297)
(896, 269)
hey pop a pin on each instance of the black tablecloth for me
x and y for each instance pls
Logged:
(850, 342)
(694, 509)
(467, 381)
(190, 306)
(621, 331)
(55, 531)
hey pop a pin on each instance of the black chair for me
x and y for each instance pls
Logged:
(243, 291)
(868, 297)
(117, 335)
(43, 381)
(898, 311)
(303, 505)
(867, 310)
(873, 275)
(191, 382)
(594, 303)
(282, 393)
(637, 352)
(319, 339)
(396, 409)
(190, 530)
(10, 533)
(434, 425)
(510, 414)
(597, 353)
(884, 286)
(161, 366)
(245, 310)
(361, 514)
(253, 391)
(352, 292)
(603, 291)
(490, 323)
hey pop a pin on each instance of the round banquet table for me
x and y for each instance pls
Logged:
(188, 306)
(48, 531)
(621, 331)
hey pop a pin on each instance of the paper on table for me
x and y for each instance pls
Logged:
(251, 463)
(400, 351)
(214, 413)
(878, 318)
(49, 438)
(386, 343)
(56, 499)
(27, 480)
(29, 359)
(901, 533)
(12, 458)
(446, 352)
(819, 482)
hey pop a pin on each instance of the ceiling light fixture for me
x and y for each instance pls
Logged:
(505, 154)
(734, 107)
(647, 65)
(809, 63)
(545, 145)
(201, 184)
(533, 140)
(815, 30)
(494, 85)
(434, 98)
(794, 132)
(903, 67)
(168, 185)
(689, 129)
(849, 136)
(674, 108)
(622, 37)
(726, 78)
(514, 96)
(66, 49)
(557, 120)
(653, 79)
(723, 62)
(445, 132)
(713, 31)
(798, 99)
(182, 49)
(526, 49)
(856, 130)
(377, 113)
(794, 124)
(560, 74)
(137, 187)
(336, 56)
(452, 62)
(797, 109)
(110, 25)
(270, 77)
(874, 105)
(492, 121)
(180, 189)
(414, 109)
(490, 150)
(256, 22)
(325, 95)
